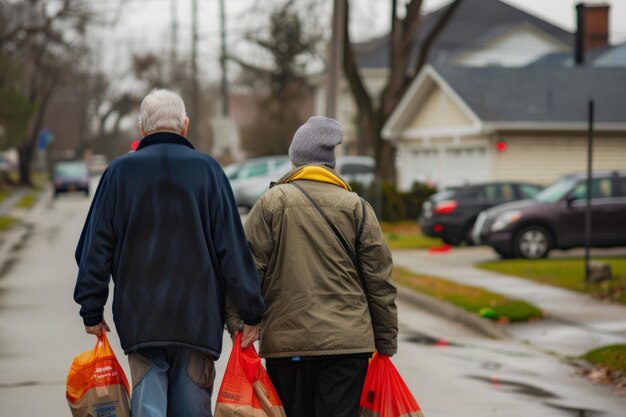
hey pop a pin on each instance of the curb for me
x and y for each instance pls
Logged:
(442, 308)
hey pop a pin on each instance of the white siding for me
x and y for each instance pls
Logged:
(517, 48)
(543, 159)
(439, 111)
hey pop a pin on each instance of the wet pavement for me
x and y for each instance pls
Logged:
(451, 370)
(575, 323)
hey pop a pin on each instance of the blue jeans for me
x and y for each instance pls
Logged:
(171, 382)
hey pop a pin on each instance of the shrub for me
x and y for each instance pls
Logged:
(392, 205)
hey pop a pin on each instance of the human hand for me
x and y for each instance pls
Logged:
(97, 329)
(249, 335)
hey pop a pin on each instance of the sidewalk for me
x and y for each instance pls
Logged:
(575, 323)
(9, 203)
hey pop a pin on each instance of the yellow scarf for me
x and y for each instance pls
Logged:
(317, 173)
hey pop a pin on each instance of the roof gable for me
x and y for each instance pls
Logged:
(503, 49)
(430, 108)
(465, 31)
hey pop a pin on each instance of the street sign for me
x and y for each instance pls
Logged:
(44, 138)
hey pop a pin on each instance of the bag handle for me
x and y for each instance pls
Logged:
(346, 246)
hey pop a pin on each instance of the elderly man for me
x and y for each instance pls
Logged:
(325, 273)
(165, 226)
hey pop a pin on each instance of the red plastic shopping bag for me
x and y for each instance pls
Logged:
(385, 394)
(247, 390)
(96, 383)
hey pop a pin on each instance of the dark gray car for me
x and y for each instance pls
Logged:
(555, 218)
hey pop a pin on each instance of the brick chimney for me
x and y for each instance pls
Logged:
(592, 28)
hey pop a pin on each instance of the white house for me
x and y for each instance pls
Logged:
(480, 33)
(460, 125)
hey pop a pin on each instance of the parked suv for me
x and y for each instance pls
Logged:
(250, 179)
(555, 218)
(248, 176)
(450, 214)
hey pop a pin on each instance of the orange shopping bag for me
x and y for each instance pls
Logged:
(247, 390)
(96, 384)
(385, 394)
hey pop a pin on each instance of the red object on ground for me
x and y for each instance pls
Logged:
(385, 394)
(134, 145)
(442, 342)
(445, 207)
(440, 249)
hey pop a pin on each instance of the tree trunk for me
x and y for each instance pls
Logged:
(402, 39)
(25, 150)
(25, 153)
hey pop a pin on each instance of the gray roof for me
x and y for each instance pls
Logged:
(540, 94)
(615, 56)
(474, 23)
(602, 56)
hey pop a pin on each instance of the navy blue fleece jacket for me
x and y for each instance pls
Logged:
(165, 226)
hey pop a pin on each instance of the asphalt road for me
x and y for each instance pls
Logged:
(451, 370)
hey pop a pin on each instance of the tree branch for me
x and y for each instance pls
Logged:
(432, 37)
(361, 96)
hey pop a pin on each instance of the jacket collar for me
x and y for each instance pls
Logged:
(164, 137)
(317, 173)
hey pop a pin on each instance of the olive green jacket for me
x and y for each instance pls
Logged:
(315, 303)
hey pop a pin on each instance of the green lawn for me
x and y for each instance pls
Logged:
(27, 201)
(407, 235)
(6, 222)
(613, 357)
(473, 299)
(565, 273)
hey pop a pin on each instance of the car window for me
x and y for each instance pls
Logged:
(507, 192)
(471, 192)
(353, 169)
(528, 191)
(490, 192)
(556, 191)
(254, 170)
(71, 170)
(600, 188)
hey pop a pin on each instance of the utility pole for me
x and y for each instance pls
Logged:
(335, 57)
(223, 60)
(589, 190)
(173, 39)
(195, 96)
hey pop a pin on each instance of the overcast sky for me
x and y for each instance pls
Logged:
(144, 25)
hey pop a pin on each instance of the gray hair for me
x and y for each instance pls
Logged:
(162, 110)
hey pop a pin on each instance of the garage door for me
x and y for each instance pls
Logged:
(443, 166)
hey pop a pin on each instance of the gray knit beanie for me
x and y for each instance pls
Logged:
(315, 141)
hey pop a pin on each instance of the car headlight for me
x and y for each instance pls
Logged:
(505, 219)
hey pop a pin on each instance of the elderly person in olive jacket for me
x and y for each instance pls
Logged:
(320, 325)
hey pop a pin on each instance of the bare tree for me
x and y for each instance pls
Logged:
(47, 42)
(288, 46)
(373, 114)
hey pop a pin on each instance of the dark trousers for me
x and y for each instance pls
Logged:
(319, 387)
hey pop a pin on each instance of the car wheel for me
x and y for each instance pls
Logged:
(532, 242)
